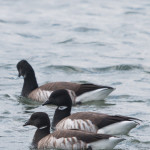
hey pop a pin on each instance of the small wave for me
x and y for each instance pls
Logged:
(75, 69)
(13, 22)
(134, 13)
(6, 66)
(68, 69)
(120, 97)
(136, 101)
(6, 113)
(21, 22)
(138, 141)
(66, 41)
(7, 95)
(85, 29)
(2, 21)
(144, 126)
(100, 103)
(56, 24)
(28, 36)
(94, 43)
(28, 104)
(122, 67)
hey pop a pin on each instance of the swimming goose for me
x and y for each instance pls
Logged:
(78, 92)
(88, 121)
(67, 139)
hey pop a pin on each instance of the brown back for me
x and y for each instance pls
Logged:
(95, 118)
(60, 85)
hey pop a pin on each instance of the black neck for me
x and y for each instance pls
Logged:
(29, 85)
(60, 114)
(39, 134)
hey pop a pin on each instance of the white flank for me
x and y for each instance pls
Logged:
(80, 124)
(122, 127)
(40, 95)
(106, 143)
(61, 143)
(72, 95)
(99, 94)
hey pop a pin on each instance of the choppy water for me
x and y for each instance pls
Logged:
(104, 42)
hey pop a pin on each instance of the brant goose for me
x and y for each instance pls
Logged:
(67, 139)
(88, 121)
(77, 91)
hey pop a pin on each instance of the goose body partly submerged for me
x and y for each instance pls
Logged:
(88, 121)
(78, 92)
(67, 139)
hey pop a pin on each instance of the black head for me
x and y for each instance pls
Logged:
(24, 68)
(59, 98)
(39, 120)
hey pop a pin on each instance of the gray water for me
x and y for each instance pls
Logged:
(100, 41)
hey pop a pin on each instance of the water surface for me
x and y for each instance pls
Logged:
(103, 42)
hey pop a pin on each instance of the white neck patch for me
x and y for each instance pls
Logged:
(62, 107)
(43, 127)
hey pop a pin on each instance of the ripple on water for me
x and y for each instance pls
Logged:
(120, 96)
(85, 29)
(19, 22)
(66, 41)
(99, 44)
(101, 103)
(6, 66)
(27, 101)
(24, 35)
(122, 67)
(75, 69)
(3, 21)
(66, 69)
(134, 13)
